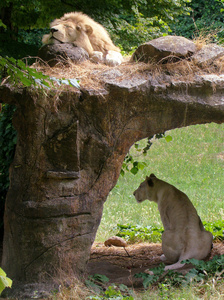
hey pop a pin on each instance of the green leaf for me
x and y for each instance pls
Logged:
(4, 281)
(134, 170)
(92, 285)
(2, 273)
(168, 138)
(2, 24)
(25, 81)
(141, 165)
(111, 292)
(122, 172)
(158, 270)
(101, 278)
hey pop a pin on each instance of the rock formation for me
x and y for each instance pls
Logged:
(71, 145)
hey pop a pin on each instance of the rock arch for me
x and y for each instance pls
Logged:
(68, 159)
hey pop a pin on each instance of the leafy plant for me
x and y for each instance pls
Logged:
(137, 233)
(132, 165)
(112, 292)
(20, 73)
(212, 267)
(216, 228)
(149, 279)
(4, 281)
(202, 271)
(197, 23)
(96, 282)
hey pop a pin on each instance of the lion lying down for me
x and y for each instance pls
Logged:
(184, 235)
(82, 31)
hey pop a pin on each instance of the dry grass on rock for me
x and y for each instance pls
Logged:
(93, 76)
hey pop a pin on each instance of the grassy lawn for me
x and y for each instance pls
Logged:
(205, 291)
(193, 162)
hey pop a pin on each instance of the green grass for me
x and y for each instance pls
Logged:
(206, 291)
(193, 161)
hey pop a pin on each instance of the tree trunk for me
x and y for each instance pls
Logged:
(6, 17)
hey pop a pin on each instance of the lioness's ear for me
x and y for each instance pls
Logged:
(150, 182)
(88, 29)
(152, 176)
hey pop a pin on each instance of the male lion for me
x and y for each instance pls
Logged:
(184, 236)
(84, 32)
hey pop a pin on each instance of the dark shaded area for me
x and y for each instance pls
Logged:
(17, 49)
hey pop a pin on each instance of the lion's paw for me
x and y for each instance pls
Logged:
(113, 58)
(97, 56)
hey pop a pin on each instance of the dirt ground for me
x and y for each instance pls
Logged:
(120, 264)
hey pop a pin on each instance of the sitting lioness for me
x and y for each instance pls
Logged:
(184, 235)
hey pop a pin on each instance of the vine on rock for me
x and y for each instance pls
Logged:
(132, 165)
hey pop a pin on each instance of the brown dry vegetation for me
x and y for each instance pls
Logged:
(137, 255)
(92, 76)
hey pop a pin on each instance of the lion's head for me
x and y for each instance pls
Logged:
(146, 189)
(65, 32)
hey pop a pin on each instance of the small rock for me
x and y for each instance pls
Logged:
(115, 241)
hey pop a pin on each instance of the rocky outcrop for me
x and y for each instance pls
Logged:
(160, 49)
(71, 145)
(173, 48)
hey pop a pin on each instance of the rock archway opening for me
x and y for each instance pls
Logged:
(193, 162)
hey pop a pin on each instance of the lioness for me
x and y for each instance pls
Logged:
(184, 235)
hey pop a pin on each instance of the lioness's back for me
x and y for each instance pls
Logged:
(175, 205)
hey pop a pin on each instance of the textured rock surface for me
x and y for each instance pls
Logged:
(160, 48)
(68, 159)
(208, 54)
(53, 54)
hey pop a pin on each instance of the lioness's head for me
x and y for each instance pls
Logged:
(146, 189)
(65, 32)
